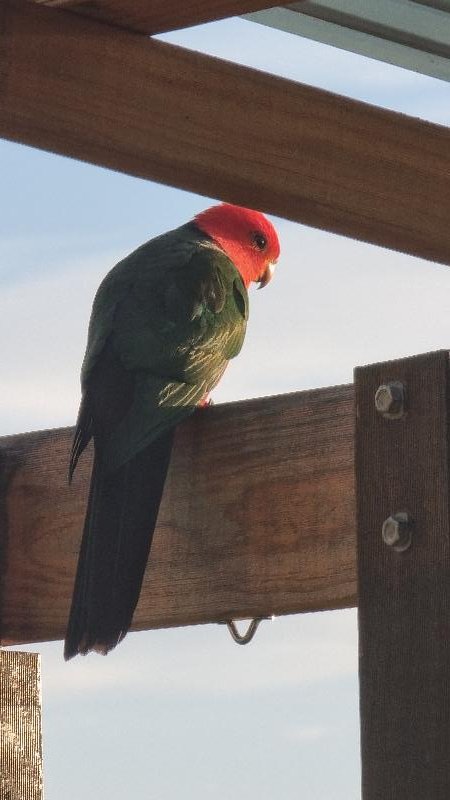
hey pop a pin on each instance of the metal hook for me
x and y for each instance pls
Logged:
(246, 637)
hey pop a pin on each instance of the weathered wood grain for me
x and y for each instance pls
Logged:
(84, 89)
(404, 597)
(20, 727)
(256, 518)
(158, 16)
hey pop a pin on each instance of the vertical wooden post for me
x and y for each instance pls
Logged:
(20, 727)
(402, 466)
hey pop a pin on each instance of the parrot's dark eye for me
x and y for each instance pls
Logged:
(259, 241)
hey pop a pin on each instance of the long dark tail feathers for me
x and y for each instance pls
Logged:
(118, 530)
(83, 434)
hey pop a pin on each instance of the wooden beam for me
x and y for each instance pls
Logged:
(83, 89)
(257, 518)
(402, 465)
(20, 726)
(159, 16)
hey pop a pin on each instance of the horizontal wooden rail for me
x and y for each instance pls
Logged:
(158, 16)
(257, 518)
(84, 89)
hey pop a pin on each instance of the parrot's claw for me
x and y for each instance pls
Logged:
(206, 402)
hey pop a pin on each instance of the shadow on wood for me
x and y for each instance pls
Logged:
(158, 16)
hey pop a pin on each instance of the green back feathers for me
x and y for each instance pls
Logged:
(173, 313)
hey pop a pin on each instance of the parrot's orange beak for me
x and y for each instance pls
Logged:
(267, 275)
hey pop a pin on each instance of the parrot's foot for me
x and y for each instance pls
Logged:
(206, 402)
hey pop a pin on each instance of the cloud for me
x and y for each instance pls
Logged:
(309, 733)
(43, 324)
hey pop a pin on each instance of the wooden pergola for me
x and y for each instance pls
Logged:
(315, 480)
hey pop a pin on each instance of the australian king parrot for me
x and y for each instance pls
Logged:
(165, 323)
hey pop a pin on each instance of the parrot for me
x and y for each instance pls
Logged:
(165, 322)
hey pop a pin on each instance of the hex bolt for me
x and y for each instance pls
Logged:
(396, 531)
(390, 400)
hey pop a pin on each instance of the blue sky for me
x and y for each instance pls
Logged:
(187, 711)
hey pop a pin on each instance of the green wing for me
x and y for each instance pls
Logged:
(165, 323)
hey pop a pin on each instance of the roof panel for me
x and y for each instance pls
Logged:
(410, 34)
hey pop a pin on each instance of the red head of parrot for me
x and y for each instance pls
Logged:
(246, 236)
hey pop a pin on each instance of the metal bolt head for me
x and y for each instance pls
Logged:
(396, 531)
(390, 400)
